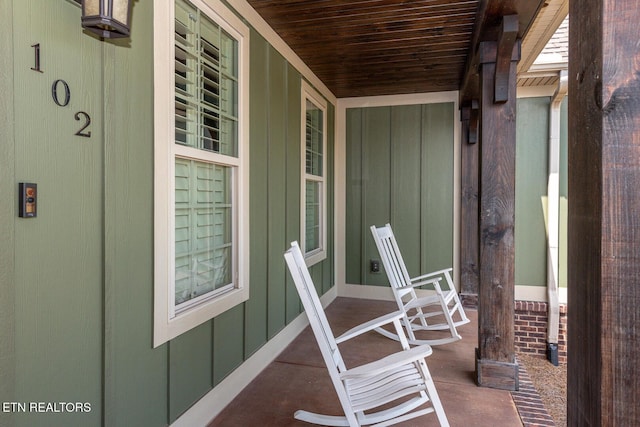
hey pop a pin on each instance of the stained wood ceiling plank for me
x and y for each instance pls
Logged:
(354, 66)
(363, 44)
(351, 9)
(321, 18)
(379, 32)
(350, 44)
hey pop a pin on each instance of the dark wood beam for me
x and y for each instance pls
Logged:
(604, 215)
(473, 134)
(487, 28)
(505, 45)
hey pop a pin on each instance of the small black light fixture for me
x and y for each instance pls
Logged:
(107, 18)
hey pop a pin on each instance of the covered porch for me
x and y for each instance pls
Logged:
(297, 378)
(78, 281)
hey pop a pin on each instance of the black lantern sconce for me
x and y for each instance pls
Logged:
(107, 18)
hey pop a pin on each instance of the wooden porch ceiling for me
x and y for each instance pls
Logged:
(384, 47)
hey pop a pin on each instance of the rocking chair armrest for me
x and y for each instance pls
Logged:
(369, 326)
(421, 281)
(388, 363)
(432, 274)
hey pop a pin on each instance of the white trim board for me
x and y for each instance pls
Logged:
(537, 293)
(522, 293)
(536, 91)
(209, 406)
(392, 100)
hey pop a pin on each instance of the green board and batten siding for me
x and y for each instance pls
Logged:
(8, 208)
(277, 115)
(58, 256)
(400, 169)
(532, 165)
(77, 290)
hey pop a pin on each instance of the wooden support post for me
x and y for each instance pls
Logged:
(469, 206)
(495, 357)
(604, 215)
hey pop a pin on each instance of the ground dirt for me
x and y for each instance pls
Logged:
(551, 383)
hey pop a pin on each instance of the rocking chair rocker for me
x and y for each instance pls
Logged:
(400, 381)
(416, 317)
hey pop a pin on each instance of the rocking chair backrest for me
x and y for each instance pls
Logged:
(315, 312)
(391, 256)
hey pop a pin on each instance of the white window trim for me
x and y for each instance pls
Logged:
(167, 327)
(317, 255)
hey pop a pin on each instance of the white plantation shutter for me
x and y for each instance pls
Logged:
(206, 75)
(202, 229)
(314, 139)
(312, 216)
(185, 75)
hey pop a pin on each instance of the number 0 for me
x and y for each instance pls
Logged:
(67, 93)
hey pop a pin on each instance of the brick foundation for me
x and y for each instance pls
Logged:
(531, 329)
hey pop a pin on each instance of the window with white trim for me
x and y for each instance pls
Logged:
(314, 172)
(201, 165)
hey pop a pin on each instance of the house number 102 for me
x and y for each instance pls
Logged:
(61, 95)
(63, 101)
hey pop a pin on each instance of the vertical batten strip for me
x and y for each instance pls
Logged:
(7, 212)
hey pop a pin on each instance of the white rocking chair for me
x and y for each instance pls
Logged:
(416, 317)
(400, 381)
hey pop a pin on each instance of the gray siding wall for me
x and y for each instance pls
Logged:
(77, 281)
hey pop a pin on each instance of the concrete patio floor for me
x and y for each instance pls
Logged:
(297, 378)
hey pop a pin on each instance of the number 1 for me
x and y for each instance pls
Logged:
(36, 67)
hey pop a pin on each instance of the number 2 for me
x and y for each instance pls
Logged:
(87, 122)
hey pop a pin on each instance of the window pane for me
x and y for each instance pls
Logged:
(314, 138)
(185, 75)
(312, 215)
(206, 74)
(202, 228)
